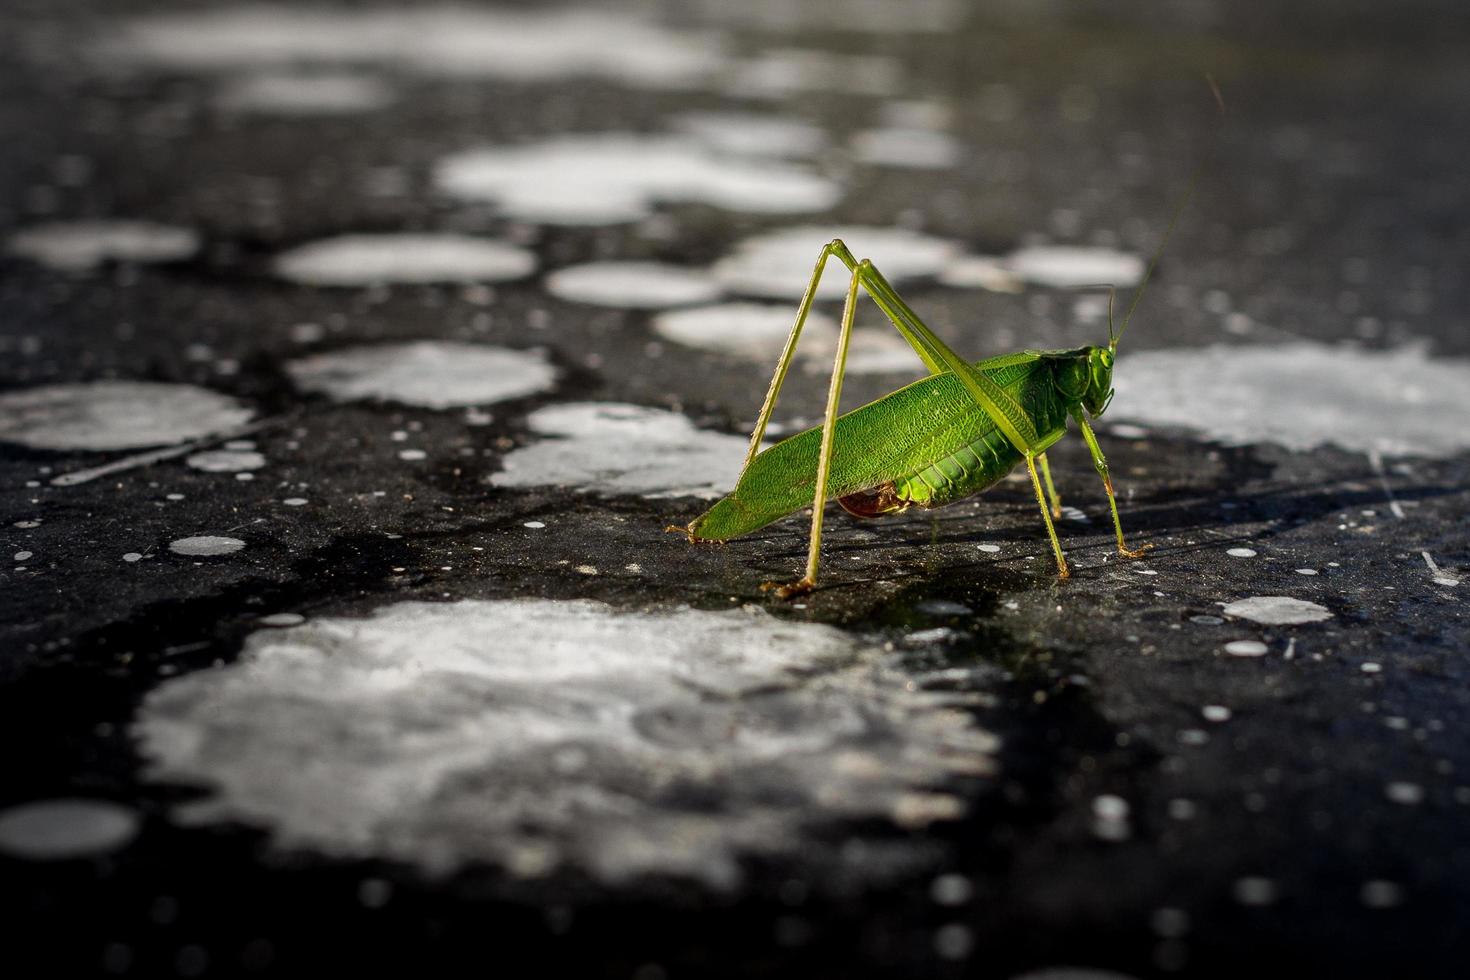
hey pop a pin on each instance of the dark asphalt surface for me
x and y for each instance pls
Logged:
(1319, 828)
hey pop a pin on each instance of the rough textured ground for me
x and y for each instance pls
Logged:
(282, 690)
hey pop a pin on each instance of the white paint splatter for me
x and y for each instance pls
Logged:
(538, 734)
(1255, 891)
(906, 148)
(78, 246)
(632, 285)
(612, 178)
(1069, 266)
(1246, 648)
(53, 830)
(1302, 396)
(1404, 793)
(306, 94)
(367, 260)
(206, 545)
(428, 374)
(225, 460)
(752, 134)
(108, 415)
(776, 73)
(434, 40)
(623, 449)
(980, 272)
(1277, 610)
(1072, 973)
(754, 331)
(778, 264)
(1380, 894)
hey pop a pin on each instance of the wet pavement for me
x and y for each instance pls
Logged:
(353, 360)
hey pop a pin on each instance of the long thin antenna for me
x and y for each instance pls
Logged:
(1168, 232)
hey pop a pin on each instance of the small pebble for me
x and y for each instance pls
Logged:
(1246, 648)
(1241, 553)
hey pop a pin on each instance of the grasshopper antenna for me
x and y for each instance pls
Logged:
(1153, 261)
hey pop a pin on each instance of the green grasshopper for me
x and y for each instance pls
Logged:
(938, 440)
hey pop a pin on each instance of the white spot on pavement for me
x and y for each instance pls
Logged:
(538, 734)
(1215, 712)
(108, 415)
(1406, 794)
(754, 331)
(527, 45)
(906, 148)
(225, 460)
(1380, 894)
(306, 94)
(980, 272)
(282, 619)
(752, 134)
(609, 448)
(1277, 610)
(1255, 891)
(612, 178)
(1302, 396)
(989, 548)
(778, 264)
(1069, 266)
(1241, 552)
(78, 246)
(366, 260)
(427, 374)
(50, 830)
(1246, 648)
(776, 73)
(132, 556)
(633, 285)
(206, 545)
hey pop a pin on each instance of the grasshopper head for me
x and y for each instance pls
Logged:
(1099, 391)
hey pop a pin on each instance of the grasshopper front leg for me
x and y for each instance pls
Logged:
(1101, 465)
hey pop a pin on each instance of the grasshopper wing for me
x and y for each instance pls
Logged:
(880, 442)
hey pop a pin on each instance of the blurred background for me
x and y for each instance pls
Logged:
(353, 357)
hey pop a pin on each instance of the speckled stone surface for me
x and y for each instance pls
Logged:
(274, 720)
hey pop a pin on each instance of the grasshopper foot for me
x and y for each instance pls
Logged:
(1138, 552)
(678, 529)
(789, 590)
